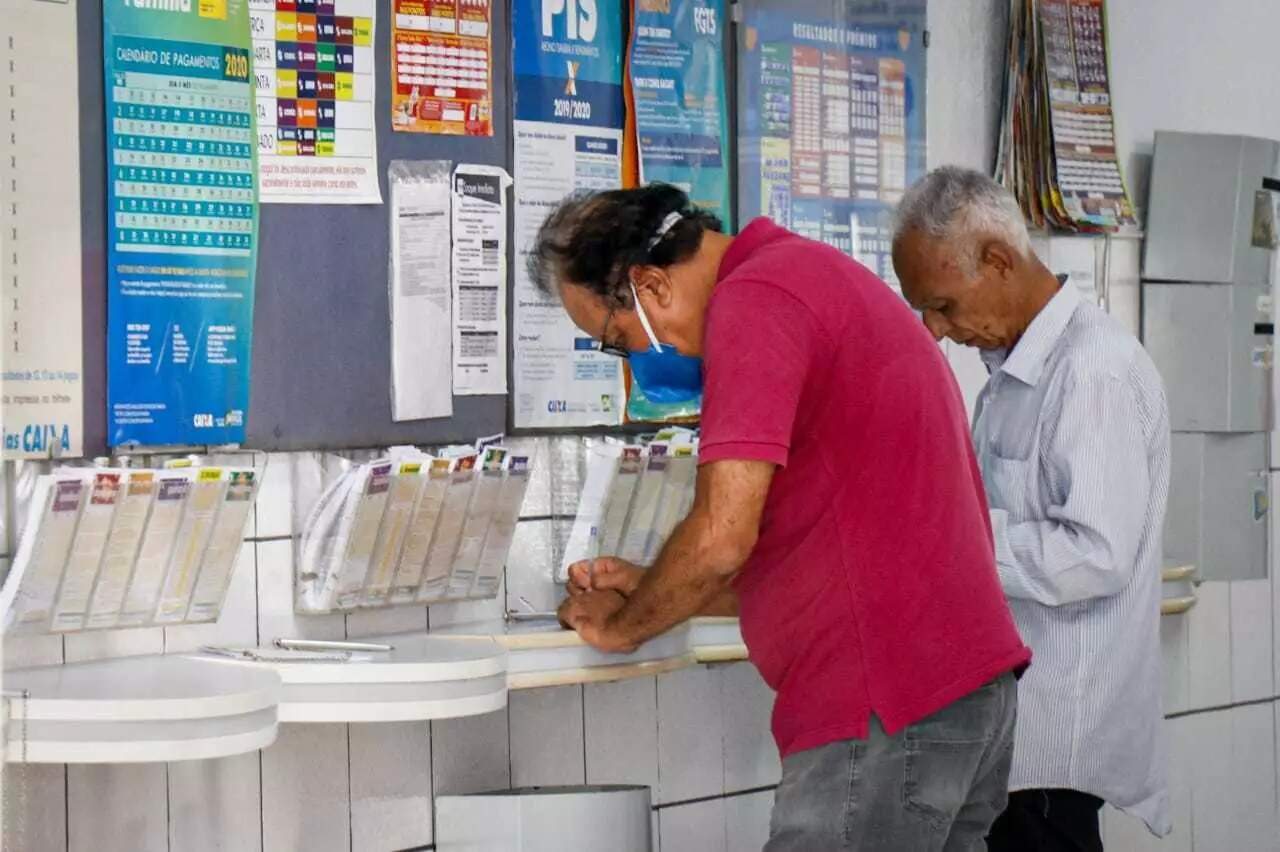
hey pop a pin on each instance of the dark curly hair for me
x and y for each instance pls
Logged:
(592, 239)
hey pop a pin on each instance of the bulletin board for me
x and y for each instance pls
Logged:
(321, 350)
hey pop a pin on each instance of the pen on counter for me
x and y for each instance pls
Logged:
(330, 645)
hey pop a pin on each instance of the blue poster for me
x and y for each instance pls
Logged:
(182, 223)
(678, 89)
(832, 121)
(568, 62)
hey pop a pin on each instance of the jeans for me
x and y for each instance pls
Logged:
(937, 785)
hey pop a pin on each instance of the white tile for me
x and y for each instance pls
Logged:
(25, 651)
(750, 754)
(1252, 663)
(305, 790)
(106, 644)
(656, 829)
(215, 805)
(1255, 824)
(237, 625)
(1121, 831)
(390, 786)
(546, 737)
(694, 828)
(276, 617)
(35, 807)
(1275, 588)
(746, 821)
(274, 509)
(621, 728)
(1179, 735)
(381, 622)
(1209, 647)
(117, 808)
(1175, 666)
(470, 754)
(690, 732)
(1213, 797)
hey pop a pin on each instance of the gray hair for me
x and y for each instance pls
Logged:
(960, 206)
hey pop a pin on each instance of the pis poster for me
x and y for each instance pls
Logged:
(183, 220)
(677, 80)
(832, 124)
(569, 115)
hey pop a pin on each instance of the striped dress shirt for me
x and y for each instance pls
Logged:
(1072, 433)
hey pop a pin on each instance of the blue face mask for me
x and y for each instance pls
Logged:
(665, 376)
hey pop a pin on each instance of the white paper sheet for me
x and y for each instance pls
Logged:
(502, 530)
(584, 536)
(444, 544)
(484, 500)
(224, 547)
(682, 469)
(362, 535)
(32, 584)
(421, 321)
(618, 506)
(480, 280)
(87, 549)
(122, 548)
(172, 490)
(644, 506)
(422, 527)
(203, 506)
(406, 486)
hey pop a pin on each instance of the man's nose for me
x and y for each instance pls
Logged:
(936, 324)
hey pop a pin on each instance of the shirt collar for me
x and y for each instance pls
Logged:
(758, 233)
(1026, 361)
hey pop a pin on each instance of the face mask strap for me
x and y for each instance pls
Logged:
(644, 320)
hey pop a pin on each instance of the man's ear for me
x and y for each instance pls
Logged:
(999, 255)
(655, 281)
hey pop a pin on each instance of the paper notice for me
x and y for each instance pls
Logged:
(46, 542)
(224, 547)
(122, 546)
(480, 280)
(602, 469)
(441, 71)
(193, 539)
(86, 553)
(422, 527)
(420, 312)
(156, 549)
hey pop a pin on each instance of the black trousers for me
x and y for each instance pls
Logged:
(1048, 821)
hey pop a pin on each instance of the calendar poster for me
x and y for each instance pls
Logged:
(313, 70)
(440, 66)
(677, 83)
(832, 125)
(182, 229)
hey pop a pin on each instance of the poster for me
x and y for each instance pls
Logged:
(313, 70)
(441, 67)
(182, 229)
(480, 280)
(832, 126)
(677, 83)
(41, 360)
(568, 136)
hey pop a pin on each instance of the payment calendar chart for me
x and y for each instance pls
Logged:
(313, 68)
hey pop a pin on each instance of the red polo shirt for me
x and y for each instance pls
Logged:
(872, 587)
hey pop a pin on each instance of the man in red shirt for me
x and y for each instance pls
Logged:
(839, 510)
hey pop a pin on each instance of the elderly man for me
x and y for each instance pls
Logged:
(838, 505)
(1072, 433)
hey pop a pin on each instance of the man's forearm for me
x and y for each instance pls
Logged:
(691, 577)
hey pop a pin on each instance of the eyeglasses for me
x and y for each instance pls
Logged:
(610, 348)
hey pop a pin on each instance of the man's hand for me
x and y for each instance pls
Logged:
(588, 612)
(607, 572)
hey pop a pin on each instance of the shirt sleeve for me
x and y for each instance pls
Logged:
(1097, 465)
(758, 347)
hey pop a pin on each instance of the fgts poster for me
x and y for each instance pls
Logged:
(678, 91)
(569, 114)
(832, 119)
(182, 223)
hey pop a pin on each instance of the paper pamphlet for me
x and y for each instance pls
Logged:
(602, 468)
(319, 542)
(156, 549)
(406, 486)
(33, 582)
(422, 527)
(86, 553)
(644, 506)
(118, 556)
(444, 545)
(682, 469)
(484, 499)
(224, 547)
(203, 504)
(348, 581)
(618, 505)
(421, 385)
(480, 280)
(502, 529)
